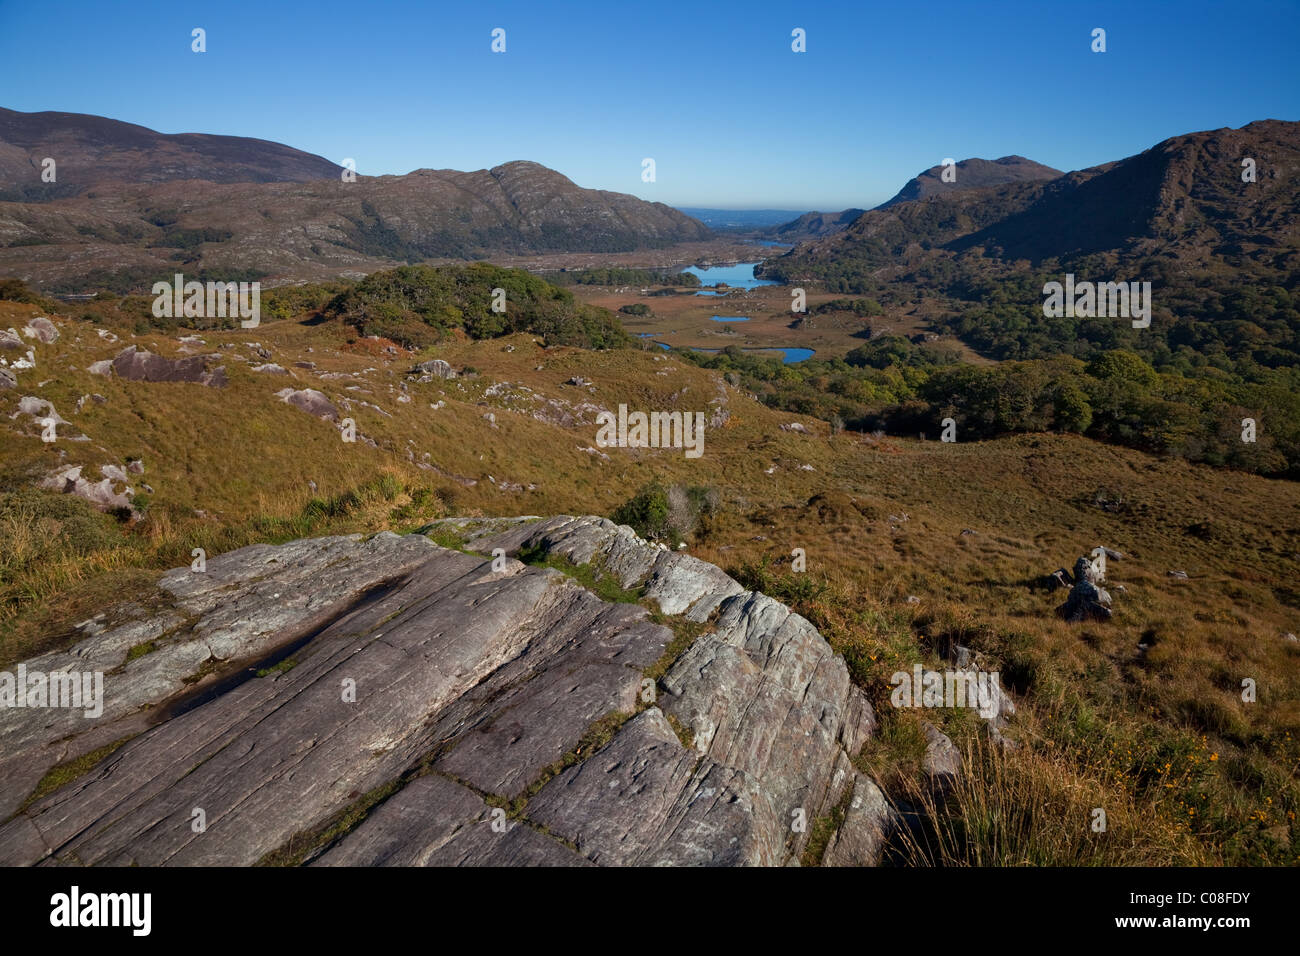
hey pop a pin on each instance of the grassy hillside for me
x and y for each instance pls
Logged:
(1158, 736)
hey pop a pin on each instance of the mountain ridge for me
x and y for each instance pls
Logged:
(284, 212)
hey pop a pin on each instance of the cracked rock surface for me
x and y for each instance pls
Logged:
(383, 700)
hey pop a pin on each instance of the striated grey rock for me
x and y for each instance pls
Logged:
(10, 340)
(137, 365)
(868, 825)
(435, 822)
(390, 662)
(8, 379)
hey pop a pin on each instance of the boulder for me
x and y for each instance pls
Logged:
(42, 330)
(310, 401)
(137, 365)
(438, 368)
(1086, 601)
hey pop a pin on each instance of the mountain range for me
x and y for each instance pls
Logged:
(129, 203)
(1184, 202)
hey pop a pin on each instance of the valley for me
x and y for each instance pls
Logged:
(404, 465)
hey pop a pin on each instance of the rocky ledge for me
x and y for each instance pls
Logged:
(385, 700)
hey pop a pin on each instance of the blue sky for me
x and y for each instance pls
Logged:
(710, 90)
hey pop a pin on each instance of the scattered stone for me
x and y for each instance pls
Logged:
(11, 340)
(7, 379)
(1180, 575)
(104, 367)
(1060, 578)
(40, 408)
(270, 368)
(102, 494)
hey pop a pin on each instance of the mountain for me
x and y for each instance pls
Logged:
(973, 174)
(1182, 200)
(1222, 255)
(815, 225)
(259, 209)
(92, 150)
(1183, 197)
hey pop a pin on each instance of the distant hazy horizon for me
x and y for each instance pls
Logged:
(714, 94)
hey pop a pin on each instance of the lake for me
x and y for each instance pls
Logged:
(739, 276)
(730, 318)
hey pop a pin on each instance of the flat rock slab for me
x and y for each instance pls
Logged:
(276, 688)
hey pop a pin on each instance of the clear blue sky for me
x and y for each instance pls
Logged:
(710, 90)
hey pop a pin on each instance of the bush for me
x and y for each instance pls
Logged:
(671, 514)
(417, 305)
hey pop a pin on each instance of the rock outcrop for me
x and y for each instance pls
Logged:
(452, 708)
(138, 365)
(1087, 600)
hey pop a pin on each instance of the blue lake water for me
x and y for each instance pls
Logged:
(739, 276)
(770, 244)
(730, 318)
(710, 292)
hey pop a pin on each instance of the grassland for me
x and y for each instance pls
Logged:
(1159, 737)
